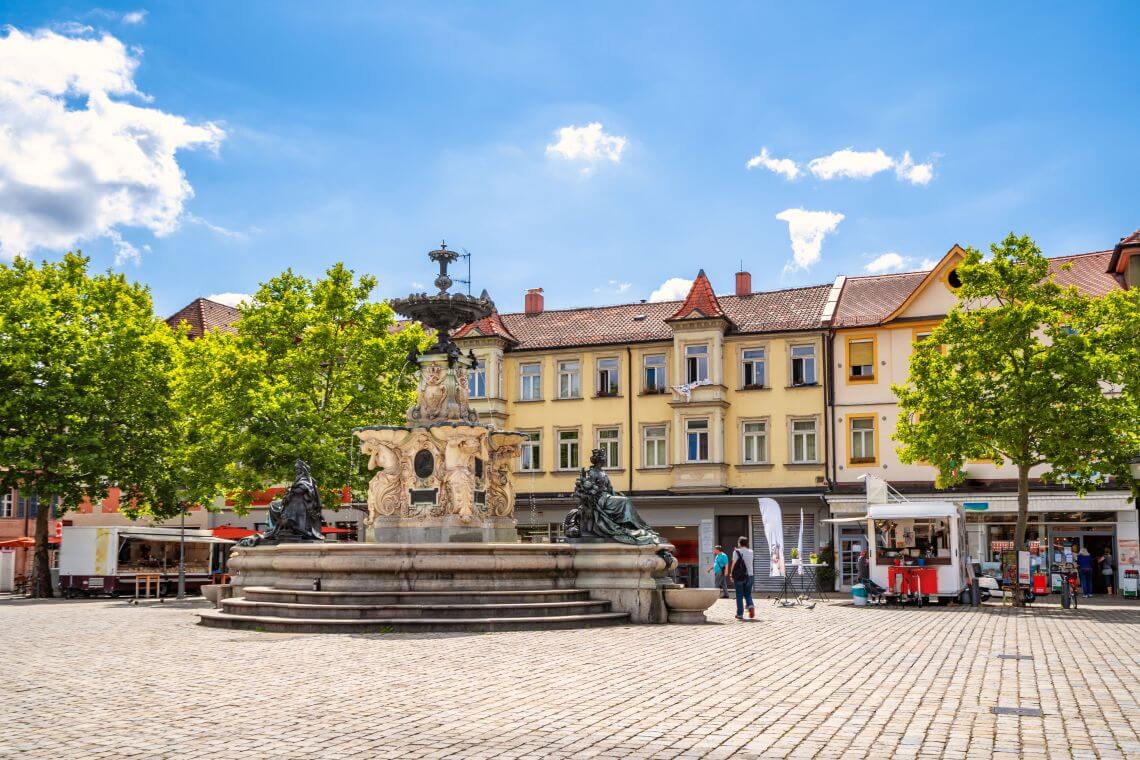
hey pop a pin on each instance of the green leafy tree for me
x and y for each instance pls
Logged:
(1012, 375)
(84, 391)
(305, 364)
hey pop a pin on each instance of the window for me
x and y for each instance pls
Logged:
(803, 442)
(861, 359)
(803, 365)
(608, 440)
(953, 280)
(697, 440)
(29, 504)
(607, 377)
(755, 447)
(655, 373)
(479, 380)
(567, 449)
(655, 446)
(531, 460)
(921, 336)
(696, 363)
(862, 439)
(531, 375)
(753, 368)
(569, 379)
(8, 505)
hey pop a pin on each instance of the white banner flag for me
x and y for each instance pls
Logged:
(800, 546)
(774, 532)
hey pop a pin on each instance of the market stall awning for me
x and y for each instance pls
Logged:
(855, 519)
(233, 532)
(909, 509)
(328, 529)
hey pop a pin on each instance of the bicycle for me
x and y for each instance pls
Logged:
(1070, 587)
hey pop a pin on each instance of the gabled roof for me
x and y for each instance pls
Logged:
(700, 303)
(490, 326)
(1118, 260)
(203, 315)
(790, 310)
(877, 299)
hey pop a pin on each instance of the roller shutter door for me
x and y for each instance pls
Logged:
(761, 558)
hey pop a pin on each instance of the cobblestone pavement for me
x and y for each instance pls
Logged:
(99, 678)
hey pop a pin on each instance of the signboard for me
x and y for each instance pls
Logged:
(975, 506)
(1129, 551)
(1023, 576)
(706, 531)
(59, 529)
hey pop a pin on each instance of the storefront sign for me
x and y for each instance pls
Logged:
(976, 506)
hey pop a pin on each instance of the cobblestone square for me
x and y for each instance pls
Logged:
(101, 678)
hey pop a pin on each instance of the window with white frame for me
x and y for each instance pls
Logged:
(530, 377)
(697, 440)
(607, 377)
(569, 379)
(755, 444)
(655, 373)
(609, 442)
(803, 365)
(753, 368)
(804, 442)
(478, 387)
(862, 440)
(861, 359)
(655, 446)
(531, 459)
(696, 363)
(7, 505)
(568, 448)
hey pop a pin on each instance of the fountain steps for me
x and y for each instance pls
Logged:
(278, 610)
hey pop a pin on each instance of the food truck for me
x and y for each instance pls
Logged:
(113, 560)
(919, 549)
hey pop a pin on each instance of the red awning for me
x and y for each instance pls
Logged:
(327, 529)
(232, 532)
(25, 542)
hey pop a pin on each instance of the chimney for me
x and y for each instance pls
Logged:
(743, 283)
(533, 301)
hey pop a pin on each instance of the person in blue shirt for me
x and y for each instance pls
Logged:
(1085, 569)
(719, 568)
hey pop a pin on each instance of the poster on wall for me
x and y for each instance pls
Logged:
(774, 533)
(1129, 551)
(706, 536)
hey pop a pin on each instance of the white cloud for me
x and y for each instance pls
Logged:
(74, 28)
(673, 289)
(134, 17)
(589, 143)
(807, 230)
(79, 162)
(230, 299)
(613, 287)
(927, 264)
(850, 163)
(417, 286)
(916, 174)
(888, 262)
(785, 166)
(861, 164)
(215, 228)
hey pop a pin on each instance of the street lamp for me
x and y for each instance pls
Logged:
(182, 550)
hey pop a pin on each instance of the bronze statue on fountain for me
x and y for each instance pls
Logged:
(296, 516)
(603, 514)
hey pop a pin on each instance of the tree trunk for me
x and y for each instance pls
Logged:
(1019, 531)
(41, 567)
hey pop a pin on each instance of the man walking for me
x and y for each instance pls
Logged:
(741, 572)
(719, 568)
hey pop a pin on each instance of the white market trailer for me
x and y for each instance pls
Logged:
(110, 560)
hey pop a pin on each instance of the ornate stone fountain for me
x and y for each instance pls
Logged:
(444, 476)
(443, 552)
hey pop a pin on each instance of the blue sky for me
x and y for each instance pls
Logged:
(366, 132)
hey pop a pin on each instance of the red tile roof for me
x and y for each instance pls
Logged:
(775, 311)
(868, 300)
(203, 314)
(701, 301)
(491, 325)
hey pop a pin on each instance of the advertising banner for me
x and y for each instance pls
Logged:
(774, 533)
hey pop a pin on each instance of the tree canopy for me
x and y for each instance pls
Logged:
(84, 391)
(306, 363)
(1017, 373)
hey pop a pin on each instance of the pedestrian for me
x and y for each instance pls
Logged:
(719, 568)
(1085, 569)
(741, 572)
(1106, 569)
